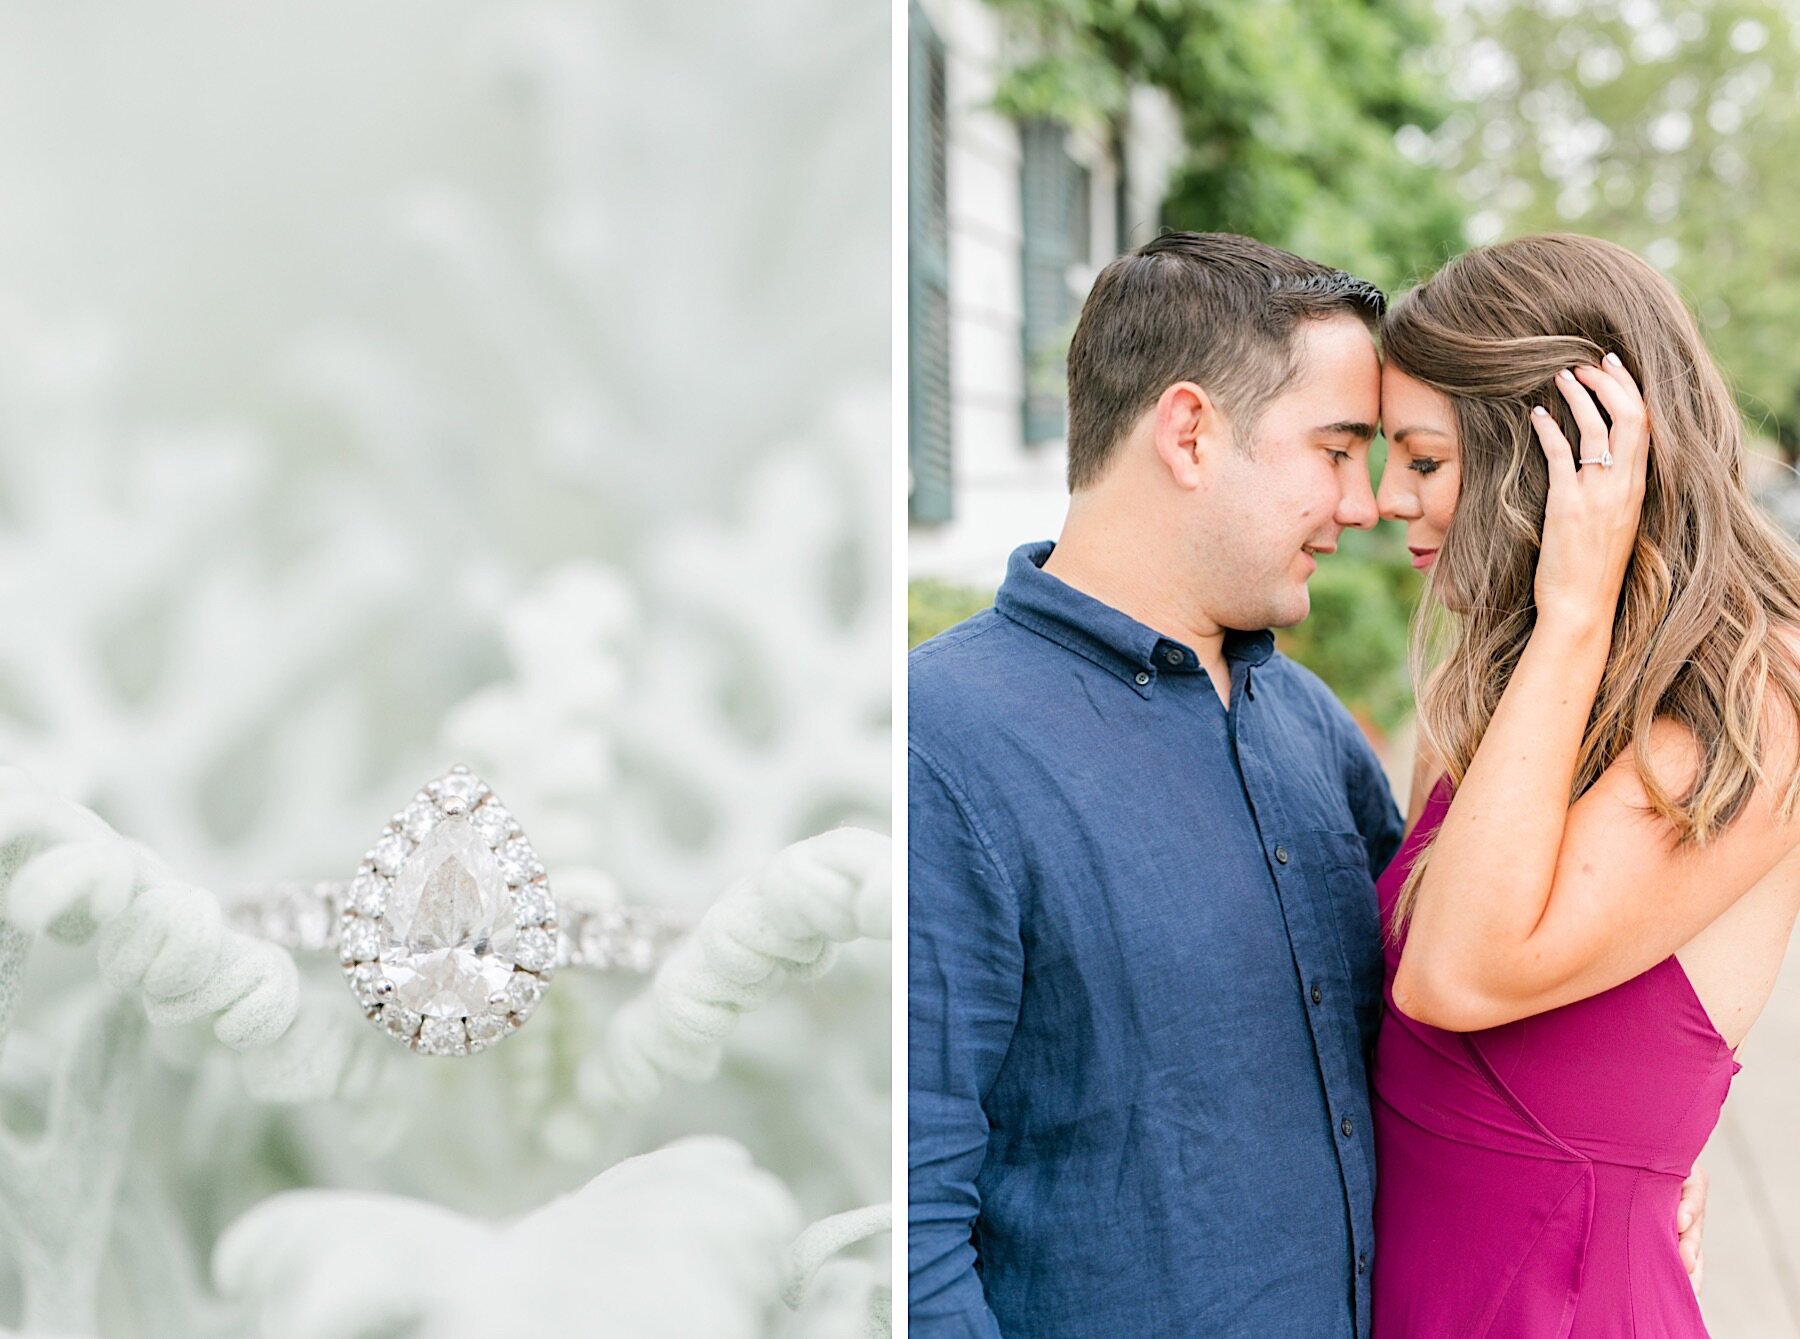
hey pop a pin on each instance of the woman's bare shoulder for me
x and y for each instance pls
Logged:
(1427, 771)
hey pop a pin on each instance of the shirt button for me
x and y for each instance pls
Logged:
(1172, 656)
(1318, 995)
(1362, 1264)
(1281, 855)
(1142, 678)
(1347, 1127)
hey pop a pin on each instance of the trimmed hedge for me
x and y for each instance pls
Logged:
(932, 606)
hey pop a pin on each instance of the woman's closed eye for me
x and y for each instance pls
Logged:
(1422, 465)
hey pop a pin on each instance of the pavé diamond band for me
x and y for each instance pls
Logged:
(449, 933)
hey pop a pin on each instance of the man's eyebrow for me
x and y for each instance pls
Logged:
(1348, 429)
(1400, 435)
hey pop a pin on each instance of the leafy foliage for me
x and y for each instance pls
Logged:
(932, 606)
(1293, 115)
(1664, 125)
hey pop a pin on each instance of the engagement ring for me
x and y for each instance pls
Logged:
(448, 933)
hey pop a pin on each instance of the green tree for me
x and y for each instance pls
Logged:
(1663, 125)
(1292, 114)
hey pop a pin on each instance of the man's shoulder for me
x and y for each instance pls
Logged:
(957, 666)
(976, 682)
(954, 645)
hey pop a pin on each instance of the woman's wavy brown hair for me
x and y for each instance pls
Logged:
(1710, 581)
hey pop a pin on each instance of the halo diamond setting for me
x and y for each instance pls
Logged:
(449, 932)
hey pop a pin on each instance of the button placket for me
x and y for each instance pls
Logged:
(1289, 873)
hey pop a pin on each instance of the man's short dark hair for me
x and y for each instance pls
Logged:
(1208, 307)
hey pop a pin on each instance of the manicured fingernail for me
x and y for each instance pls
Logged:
(1565, 375)
(1612, 360)
(1538, 411)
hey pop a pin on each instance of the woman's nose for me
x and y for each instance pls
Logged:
(1394, 500)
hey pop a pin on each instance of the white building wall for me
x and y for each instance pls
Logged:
(1006, 492)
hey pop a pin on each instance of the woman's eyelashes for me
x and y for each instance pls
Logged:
(1422, 465)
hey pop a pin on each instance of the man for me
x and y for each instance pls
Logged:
(1145, 971)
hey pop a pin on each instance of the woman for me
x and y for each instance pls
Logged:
(1593, 905)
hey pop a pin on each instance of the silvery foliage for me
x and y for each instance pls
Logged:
(594, 500)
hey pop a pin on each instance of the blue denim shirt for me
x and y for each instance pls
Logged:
(1144, 980)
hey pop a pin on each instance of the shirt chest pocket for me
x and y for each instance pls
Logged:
(1350, 894)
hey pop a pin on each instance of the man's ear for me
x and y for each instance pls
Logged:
(1188, 428)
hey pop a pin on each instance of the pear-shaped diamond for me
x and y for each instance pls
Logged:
(452, 932)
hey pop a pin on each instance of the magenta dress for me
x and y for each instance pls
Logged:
(1528, 1175)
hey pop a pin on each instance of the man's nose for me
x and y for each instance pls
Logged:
(1356, 505)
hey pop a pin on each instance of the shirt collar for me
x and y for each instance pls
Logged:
(1116, 642)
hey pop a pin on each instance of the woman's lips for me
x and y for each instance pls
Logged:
(1422, 558)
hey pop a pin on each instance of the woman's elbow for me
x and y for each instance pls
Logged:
(1439, 1000)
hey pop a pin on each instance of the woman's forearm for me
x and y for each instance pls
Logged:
(1489, 878)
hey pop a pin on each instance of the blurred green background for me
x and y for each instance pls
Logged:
(1386, 136)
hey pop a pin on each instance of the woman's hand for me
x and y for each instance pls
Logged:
(1690, 1221)
(1591, 514)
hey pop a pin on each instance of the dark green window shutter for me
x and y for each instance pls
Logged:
(927, 279)
(1057, 225)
